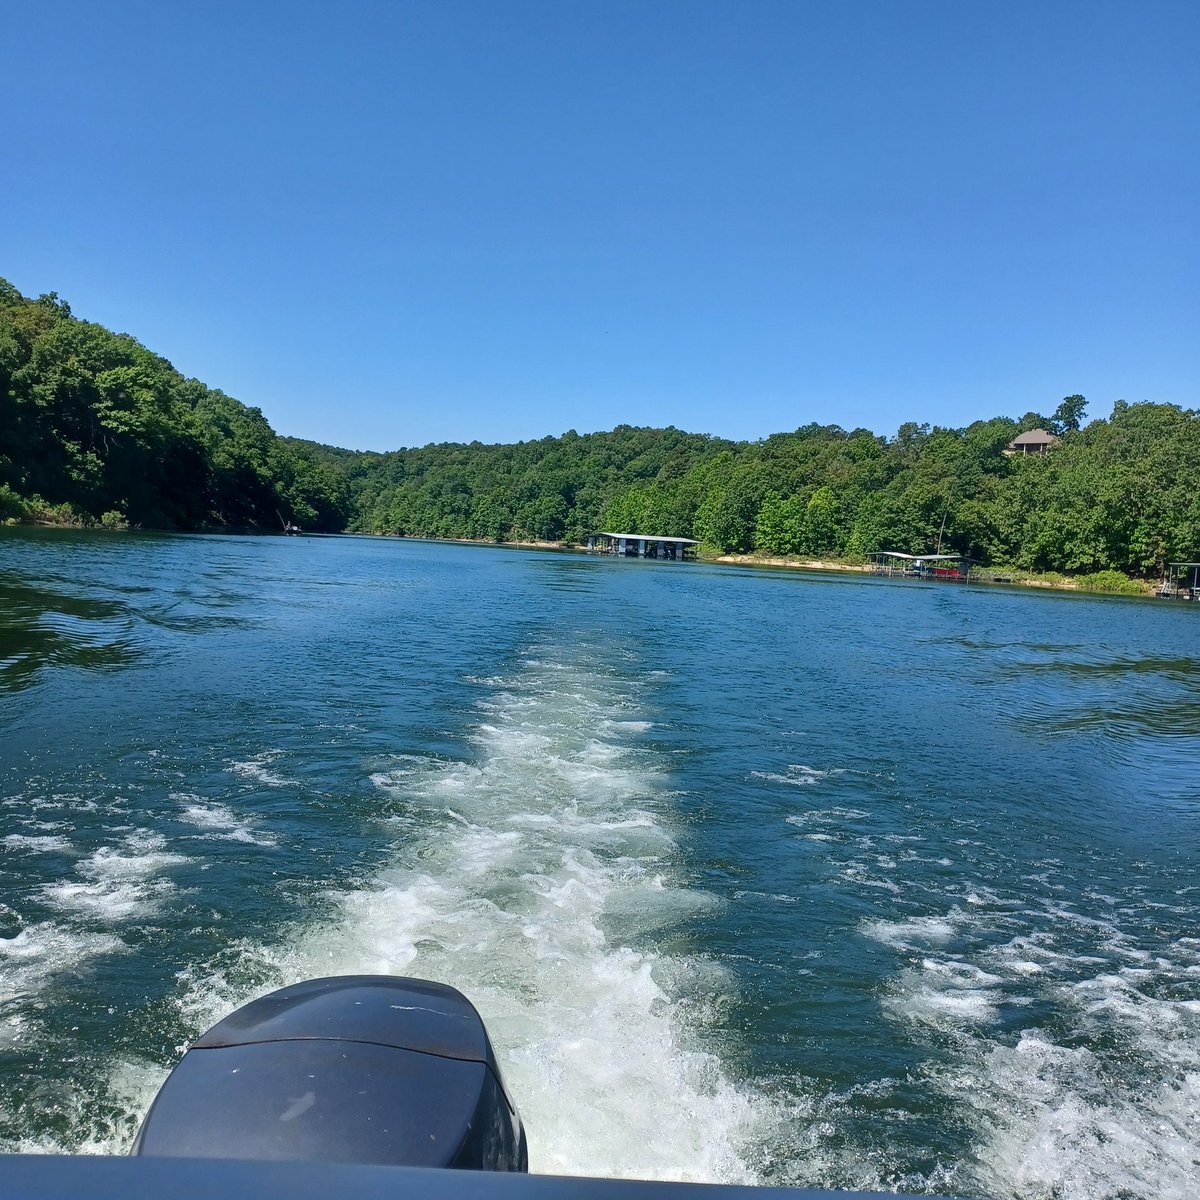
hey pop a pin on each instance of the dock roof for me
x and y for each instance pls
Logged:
(918, 557)
(648, 537)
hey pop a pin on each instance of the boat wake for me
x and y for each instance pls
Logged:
(1095, 1092)
(538, 875)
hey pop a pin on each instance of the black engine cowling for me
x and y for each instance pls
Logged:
(356, 1069)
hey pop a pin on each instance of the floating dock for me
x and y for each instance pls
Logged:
(642, 545)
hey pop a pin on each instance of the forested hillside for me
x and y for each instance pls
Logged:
(555, 489)
(95, 427)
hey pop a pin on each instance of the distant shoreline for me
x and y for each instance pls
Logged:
(1068, 584)
(792, 564)
(795, 564)
(1004, 577)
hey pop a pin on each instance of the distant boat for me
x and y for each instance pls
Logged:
(290, 529)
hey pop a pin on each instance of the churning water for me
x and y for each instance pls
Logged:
(754, 877)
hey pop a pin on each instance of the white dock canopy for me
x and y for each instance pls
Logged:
(642, 545)
(955, 567)
(918, 557)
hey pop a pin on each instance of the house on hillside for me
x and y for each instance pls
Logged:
(1035, 441)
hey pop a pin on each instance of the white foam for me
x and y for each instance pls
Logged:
(798, 775)
(1058, 1120)
(858, 873)
(1103, 1102)
(258, 769)
(778, 897)
(57, 802)
(32, 959)
(37, 843)
(109, 1109)
(220, 822)
(828, 815)
(917, 931)
(629, 726)
(946, 995)
(122, 882)
(530, 881)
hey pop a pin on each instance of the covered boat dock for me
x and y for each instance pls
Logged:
(1181, 582)
(950, 568)
(642, 545)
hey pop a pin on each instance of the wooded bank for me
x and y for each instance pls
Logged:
(95, 428)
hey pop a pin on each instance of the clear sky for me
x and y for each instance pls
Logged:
(393, 223)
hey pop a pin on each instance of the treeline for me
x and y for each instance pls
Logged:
(1116, 495)
(96, 428)
(1119, 494)
(555, 489)
(93, 422)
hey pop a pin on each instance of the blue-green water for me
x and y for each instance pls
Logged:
(754, 876)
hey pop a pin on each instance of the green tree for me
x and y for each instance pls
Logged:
(1067, 416)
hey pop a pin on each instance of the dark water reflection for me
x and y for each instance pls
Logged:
(40, 628)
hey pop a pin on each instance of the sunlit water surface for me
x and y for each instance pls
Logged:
(754, 876)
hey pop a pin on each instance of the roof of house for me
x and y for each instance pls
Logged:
(1033, 437)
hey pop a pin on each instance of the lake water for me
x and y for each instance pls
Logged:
(755, 876)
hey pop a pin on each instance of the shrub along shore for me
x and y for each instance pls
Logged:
(1113, 583)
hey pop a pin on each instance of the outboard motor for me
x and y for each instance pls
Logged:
(357, 1068)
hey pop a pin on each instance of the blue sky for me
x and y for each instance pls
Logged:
(387, 224)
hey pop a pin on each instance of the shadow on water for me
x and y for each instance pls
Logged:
(1144, 697)
(40, 628)
(1180, 668)
(570, 573)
